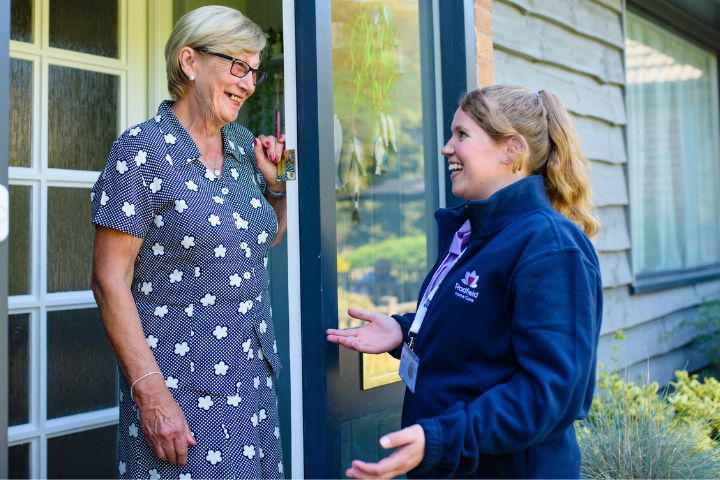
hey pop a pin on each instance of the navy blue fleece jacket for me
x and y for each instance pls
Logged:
(508, 346)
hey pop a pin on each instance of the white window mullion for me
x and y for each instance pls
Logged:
(41, 392)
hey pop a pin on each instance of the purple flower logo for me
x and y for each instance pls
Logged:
(470, 279)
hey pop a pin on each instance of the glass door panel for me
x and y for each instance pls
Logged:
(382, 198)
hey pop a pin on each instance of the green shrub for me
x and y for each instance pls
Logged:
(407, 251)
(632, 432)
(698, 401)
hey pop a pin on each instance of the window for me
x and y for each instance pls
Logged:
(73, 89)
(674, 154)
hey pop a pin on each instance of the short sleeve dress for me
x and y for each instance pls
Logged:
(200, 286)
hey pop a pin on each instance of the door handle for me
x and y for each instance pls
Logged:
(286, 166)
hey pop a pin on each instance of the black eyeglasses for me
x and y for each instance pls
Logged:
(240, 68)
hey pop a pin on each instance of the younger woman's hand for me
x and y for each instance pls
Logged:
(410, 445)
(380, 334)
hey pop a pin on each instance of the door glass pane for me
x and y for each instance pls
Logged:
(19, 368)
(20, 239)
(20, 112)
(82, 117)
(89, 454)
(81, 368)
(381, 197)
(71, 29)
(19, 456)
(21, 20)
(69, 239)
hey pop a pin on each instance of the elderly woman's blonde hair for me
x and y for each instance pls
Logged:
(219, 29)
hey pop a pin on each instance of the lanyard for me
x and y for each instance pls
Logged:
(427, 298)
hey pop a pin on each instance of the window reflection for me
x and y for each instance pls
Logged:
(381, 201)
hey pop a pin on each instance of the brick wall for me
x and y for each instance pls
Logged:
(484, 41)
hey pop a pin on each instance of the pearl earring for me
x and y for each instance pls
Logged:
(191, 77)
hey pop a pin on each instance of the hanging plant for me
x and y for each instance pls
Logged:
(372, 70)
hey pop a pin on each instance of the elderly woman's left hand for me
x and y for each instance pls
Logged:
(268, 151)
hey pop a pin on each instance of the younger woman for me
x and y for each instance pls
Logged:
(499, 359)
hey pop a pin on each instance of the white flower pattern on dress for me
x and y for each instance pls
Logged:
(141, 158)
(220, 332)
(214, 456)
(171, 382)
(208, 299)
(221, 368)
(181, 349)
(205, 402)
(156, 185)
(249, 451)
(180, 206)
(129, 209)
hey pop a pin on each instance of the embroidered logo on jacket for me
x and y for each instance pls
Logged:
(470, 279)
(468, 292)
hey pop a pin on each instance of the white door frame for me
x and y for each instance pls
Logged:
(293, 249)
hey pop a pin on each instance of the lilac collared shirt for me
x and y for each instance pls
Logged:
(459, 242)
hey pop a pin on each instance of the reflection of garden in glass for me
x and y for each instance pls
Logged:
(387, 236)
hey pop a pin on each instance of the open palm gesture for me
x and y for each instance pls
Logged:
(380, 333)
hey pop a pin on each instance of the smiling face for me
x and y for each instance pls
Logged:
(478, 164)
(216, 91)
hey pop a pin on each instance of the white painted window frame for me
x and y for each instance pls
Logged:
(132, 101)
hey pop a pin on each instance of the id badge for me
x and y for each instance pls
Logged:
(409, 363)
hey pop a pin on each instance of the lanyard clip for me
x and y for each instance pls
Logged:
(412, 342)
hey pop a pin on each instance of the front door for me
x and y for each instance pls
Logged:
(370, 182)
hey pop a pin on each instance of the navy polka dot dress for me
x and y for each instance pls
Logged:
(200, 286)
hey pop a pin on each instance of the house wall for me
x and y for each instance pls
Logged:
(574, 48)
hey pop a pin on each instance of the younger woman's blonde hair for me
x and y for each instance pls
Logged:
(215, 28)
(554, 151)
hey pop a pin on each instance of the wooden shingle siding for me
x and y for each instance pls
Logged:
(613, 236)
(575, 49)
(584, 17)
(534, 39)
(581, 94)
(601, 141)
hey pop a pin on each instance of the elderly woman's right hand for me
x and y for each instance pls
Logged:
(163, 422)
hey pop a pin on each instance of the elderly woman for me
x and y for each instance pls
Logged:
(186, 210)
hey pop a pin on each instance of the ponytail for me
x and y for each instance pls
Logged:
(504, 111)
(567, 180)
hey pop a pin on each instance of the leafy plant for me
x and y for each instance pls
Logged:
(632, 432)
(698, 401)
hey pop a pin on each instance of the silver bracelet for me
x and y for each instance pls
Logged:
(136, 381)
(275, 194)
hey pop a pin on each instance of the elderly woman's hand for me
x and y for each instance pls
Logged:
(163, 423)
(268, 151)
